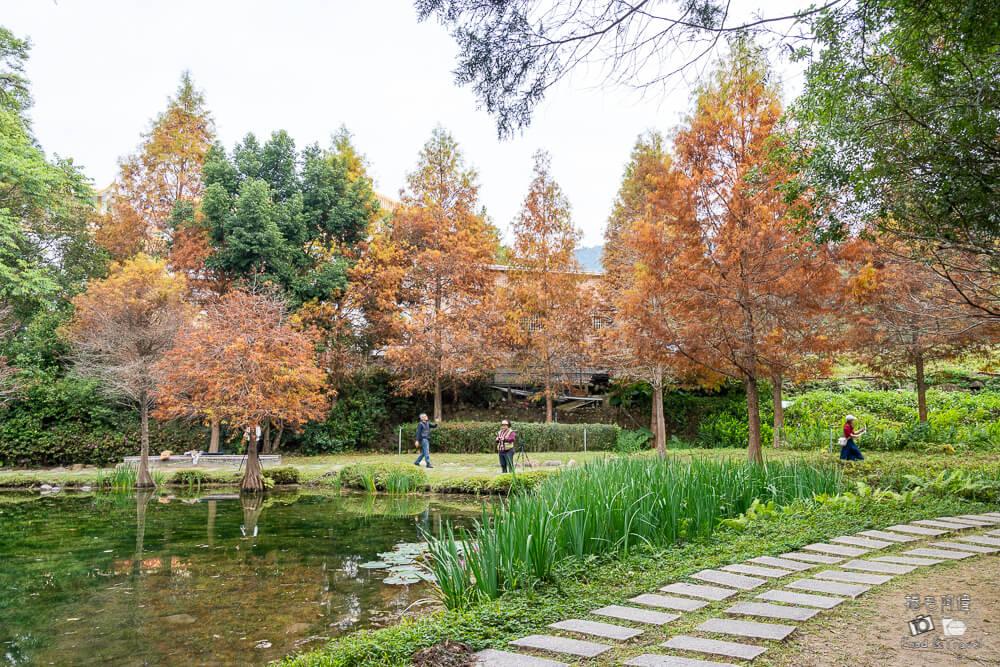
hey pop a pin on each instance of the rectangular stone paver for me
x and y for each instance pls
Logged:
(728, 579)
(783, 563)
(596, 628)
(493, 658)
(865, 542)
(757, 570)
(668, 602)
(959, 546)
(853, 577)
(872, 566)
(831, 587)
(699, 591)
(561, 645)
(768, 610)
(892, 537)
(714, 646)
(812, 558)
(979, 539)
(961, 519)
(943, 525)
(653, 660)
(731, 626)
(636, 615)
(916, 530)
(949, 554)
(982, 517)
(805, 599)
(837, 549)
(904, 560)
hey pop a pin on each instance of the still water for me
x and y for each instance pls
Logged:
(121, 579)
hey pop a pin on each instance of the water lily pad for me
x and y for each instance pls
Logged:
(374, 565)
(401, 580)
(404, 568)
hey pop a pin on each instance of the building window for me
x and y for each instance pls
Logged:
(530, 323)
(599, 322)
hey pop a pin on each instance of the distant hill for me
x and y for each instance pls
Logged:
(590, 258)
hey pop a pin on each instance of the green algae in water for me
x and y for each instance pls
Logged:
(125, 579)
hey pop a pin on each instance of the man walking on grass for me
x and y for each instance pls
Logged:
(424, 439)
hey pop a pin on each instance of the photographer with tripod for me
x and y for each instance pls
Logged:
(505, 446)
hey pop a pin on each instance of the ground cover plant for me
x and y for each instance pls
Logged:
(610, 506)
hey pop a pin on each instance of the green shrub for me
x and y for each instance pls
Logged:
(282, 474)
(375, 477)
(631, 442)
(478, 437)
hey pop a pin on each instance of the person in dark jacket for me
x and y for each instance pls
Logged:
(424, 439)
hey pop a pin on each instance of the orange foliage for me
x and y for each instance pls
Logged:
(243, 364)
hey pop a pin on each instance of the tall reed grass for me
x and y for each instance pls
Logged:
(124, 474)
(608, 507)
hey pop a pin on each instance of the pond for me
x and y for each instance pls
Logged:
(126, 579)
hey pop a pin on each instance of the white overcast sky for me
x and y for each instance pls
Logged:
(102, 69)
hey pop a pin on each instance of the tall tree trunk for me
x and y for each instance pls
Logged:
(267, 438)
(921, 389)
(253, 480)
(548, 401)
(659, 423)
(213, 442)
(437, 399)
(277, 438)
(143, 480)
(753, 411)
(779, 411)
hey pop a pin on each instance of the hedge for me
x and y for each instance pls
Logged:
(478, 437)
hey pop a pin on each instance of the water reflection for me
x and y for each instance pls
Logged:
(149, 579)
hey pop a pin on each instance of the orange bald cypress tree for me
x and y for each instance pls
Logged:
(446, 246)
(733, 267)
(166, 170)
(246, 366)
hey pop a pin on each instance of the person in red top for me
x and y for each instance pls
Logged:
(505, 446)
(850, 451)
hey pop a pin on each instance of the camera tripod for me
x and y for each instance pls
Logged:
(521, 456)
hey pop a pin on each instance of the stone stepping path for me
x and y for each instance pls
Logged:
(783, 563)
(916, 530)
(562, 645)
(872, 566)
(962, 520)
(668, 602)
(837, 549)
(943, 525)
(768, 610)
(650, 660)
(757, 570)
(960, 546)
(729, 626)
(715, 647)
(977, 539)
(904, 560)
(939, 553)
(812, 558)
(596, 628)
(854, 577)
(493, 658)
(865, 542)
(636, 615)
(805, 599)
(994, 533)
(884, 535)
(832, 587)
(713, 593)
(729, 579)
